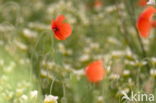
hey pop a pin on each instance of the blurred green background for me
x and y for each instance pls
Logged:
(32, 60)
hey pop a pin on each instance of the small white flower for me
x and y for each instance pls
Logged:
(117, 53)
(34, 94)
(113, 41)
(50, 64)
(151, 2)
(21, 45)
(100, 99)
(19, 92)
(84, 58)
(153, 60)
(29, 34)
(79, 72)
(94, 45)
(24, 97)
(114, 76)
(61, 48)
(110, 9)
(126, 72)
(67, 66)
(50, 99)
(153, 72)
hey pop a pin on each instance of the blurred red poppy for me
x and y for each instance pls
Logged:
(142, 2)
(144, 23)
(95, 71)
(61, 30)
(98, 4)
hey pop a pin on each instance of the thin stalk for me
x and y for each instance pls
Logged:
(132, 12)
(141, 44)
(125, 32)
(51, 86)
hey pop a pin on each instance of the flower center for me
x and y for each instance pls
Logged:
(55, 29)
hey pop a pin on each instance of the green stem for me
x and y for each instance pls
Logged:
(132, 12)
(124, 32)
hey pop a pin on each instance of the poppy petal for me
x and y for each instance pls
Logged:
(61, 30)
(58, 36)
(144, 21)
(95, 71)
(66, 30)
(153, 23)
(142, 2)
(60, 18)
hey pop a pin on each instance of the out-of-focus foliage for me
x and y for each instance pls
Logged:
(17, 83)
(31, 59)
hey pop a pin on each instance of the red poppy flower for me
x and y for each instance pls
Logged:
(98, 4)
(95, 71)
(144, 22)
(142, 2)
(61, 30)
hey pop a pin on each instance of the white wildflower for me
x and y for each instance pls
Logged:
(33, 94)
(100, 99)
(110, 9)
(94, 45)
(6, 27)
(130, 82)
(50, 64)
(24, 97)
(61, 48)
(84, 58)
(29, 33)
(117, 53)
(153, 72)
(79, 72)
(126, 72)
(153, 60)
(19, 92)
(21, 45)
(113, 41)
(50, 99)
(114, 76)
(67, 66)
